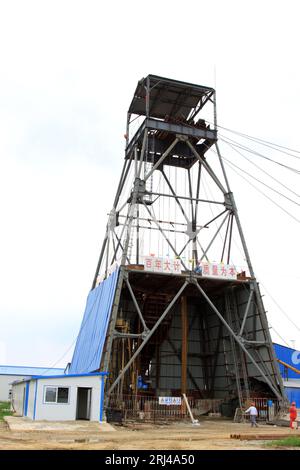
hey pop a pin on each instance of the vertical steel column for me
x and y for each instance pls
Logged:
(233, 350)
(184, 343)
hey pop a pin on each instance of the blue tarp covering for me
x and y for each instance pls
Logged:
(289, 356)
(92, 333)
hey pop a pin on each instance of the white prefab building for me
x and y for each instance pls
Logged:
(9, 374)
(61, 397)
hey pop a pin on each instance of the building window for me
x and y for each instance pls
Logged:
(50, 396)
(62, 395)
(56, 395)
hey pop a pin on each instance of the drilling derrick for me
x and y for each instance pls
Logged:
(180, 307)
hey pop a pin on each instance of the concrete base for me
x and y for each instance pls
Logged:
(16, 423)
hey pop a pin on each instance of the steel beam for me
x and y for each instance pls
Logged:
(159, 162)
(181, 129)
(187, 198)
(214, 237)
(207, 167)
(234, 352)
(165, 237)
(136, 304)
(247, 309)
(184, 343)
(147, 337)
(238, 340)
(100, 259)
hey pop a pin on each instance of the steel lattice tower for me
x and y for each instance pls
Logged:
(178, 321)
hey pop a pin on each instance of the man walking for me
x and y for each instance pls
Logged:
(253, 414)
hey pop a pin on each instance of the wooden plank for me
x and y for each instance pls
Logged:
(261, 437)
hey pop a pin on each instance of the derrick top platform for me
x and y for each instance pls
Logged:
(168, 97)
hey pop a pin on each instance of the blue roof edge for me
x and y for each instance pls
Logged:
(64, 376)
(34, 367)
(68, 375)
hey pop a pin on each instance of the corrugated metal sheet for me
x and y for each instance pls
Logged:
(291, 357)
(293, 394)
(92, 333)
(29, 371)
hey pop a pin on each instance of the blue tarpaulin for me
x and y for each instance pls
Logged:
(92, 333)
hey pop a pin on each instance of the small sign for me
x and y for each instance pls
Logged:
(225, 271)
(169, 401)
(162, 265)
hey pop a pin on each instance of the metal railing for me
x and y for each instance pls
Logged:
(267, 410)
(150, 409)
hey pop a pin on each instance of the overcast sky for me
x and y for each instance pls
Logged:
(68, 73)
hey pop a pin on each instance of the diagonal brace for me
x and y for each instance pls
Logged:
(214, 237)
(146, 339)
(163, 234)
(136, 305)
(238, 340)
(207, 167)
(247, 310)
(164, 155)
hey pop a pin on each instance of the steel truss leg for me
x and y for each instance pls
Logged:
(124, 174)
(207, 167)
(112, 323)
(234, 352)
(214, 366)
(241, 353)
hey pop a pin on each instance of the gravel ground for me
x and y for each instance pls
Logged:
(210, 435)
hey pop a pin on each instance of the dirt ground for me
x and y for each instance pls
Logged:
(212, 434)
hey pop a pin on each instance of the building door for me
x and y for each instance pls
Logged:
(84, 398)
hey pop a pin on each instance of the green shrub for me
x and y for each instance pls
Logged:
(4, 409)
(292, 441)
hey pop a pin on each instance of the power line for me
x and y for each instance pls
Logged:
(270, 199)
(80, 330)
(65, 353)
(261, 182)
(243, 147)
(263, 142)
(282, 339)
(280, 308)
(261, 169)
(271, 326)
